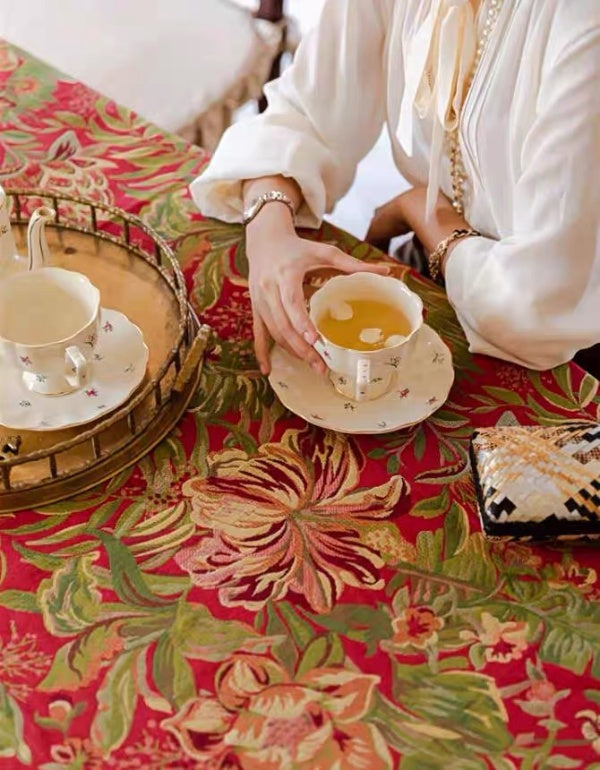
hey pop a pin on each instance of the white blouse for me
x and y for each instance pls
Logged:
(528, 290)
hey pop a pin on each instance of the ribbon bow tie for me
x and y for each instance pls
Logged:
(437, 61)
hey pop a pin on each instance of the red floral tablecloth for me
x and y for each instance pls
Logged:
(259, 594)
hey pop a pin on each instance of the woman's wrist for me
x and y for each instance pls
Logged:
(274, 217)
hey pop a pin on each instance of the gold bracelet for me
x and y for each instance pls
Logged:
(436, 258)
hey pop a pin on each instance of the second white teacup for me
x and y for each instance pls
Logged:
(49, 327)
(363, 375)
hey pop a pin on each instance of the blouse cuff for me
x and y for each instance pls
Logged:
(243, 154)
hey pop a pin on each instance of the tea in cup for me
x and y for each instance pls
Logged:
(49, 327)
(367, 323)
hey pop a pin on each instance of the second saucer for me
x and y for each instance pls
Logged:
(120, 362)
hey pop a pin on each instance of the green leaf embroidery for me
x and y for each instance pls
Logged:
(128, 579)
(587, 390)
(321, 652)
(117, 700)
(420, 444)
(559, 760)
(79, 662)
(70, 600)
(432, 507)
(462, 701)
(172, 673)
(199, 635)
(593, 695)
(472, 564)
(12, 742)
(366, 624)
(21, 601)
(456, 530)
(504, 396)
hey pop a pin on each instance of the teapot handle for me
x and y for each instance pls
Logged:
(37, 245)
(7, 243)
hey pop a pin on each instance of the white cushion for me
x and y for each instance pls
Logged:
(169, 60)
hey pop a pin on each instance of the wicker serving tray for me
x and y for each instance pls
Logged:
(137, 274)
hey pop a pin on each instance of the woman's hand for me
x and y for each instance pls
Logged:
(389, 221)
(407, 213)
(279, 259)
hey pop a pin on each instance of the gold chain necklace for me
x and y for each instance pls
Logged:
(457, 168)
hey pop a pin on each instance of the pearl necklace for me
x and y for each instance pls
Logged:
(457, 168)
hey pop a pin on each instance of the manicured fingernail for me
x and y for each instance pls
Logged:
(264, 369)
(310, 337)
(317, 367)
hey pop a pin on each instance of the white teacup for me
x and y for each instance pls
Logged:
(358, 374)
(49, 326)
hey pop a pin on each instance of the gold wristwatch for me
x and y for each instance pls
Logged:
(436, 259)
(268, 197)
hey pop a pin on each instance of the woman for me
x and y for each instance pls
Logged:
(493, 109)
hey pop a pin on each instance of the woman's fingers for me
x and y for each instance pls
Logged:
(347, 264)
(289, 337)
(387, 223)
(261, 343)
(279, 306)
(294, 304)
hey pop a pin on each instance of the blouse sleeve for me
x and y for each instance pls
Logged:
(324, 114)
(534, 298)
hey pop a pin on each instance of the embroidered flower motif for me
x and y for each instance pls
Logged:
(289, 519)
(416, 627)
(91, 393)
(591, 727)
(25, 360)
(75, 97)
(107, 328)
(9, 60)
(262, 720)
(502, 642)
(517, 555)
(404, 392)
(76, 753)
(542, 691)
(541, 698)
(570, 575)
(20, 662)
(25, 86)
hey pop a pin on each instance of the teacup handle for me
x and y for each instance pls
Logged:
(77, 363)
(363, 377)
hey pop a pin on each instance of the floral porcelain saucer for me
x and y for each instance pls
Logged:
(420, 388)
(120, 363)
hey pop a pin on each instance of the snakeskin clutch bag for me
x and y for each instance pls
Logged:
(538, 483)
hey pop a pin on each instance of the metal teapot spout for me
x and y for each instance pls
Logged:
(37, 245)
